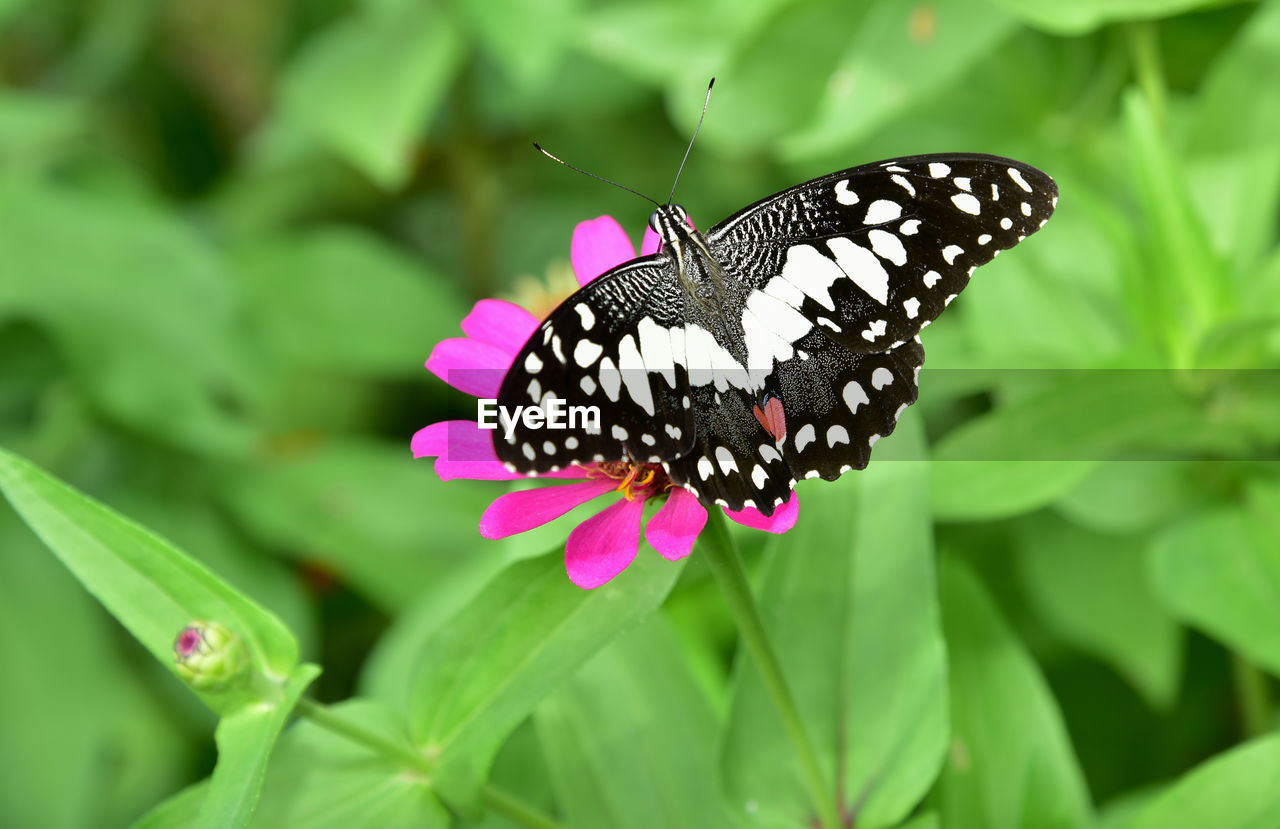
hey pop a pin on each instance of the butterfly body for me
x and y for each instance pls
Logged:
(783, 342)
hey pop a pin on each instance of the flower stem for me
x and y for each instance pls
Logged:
(726, 565)
(497, 799)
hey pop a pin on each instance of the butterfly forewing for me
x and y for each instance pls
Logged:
(874, 253)
(782, 344)
(587, 353)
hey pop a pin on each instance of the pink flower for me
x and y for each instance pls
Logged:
(604, 545)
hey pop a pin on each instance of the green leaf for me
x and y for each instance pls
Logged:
(151, 587)
(894, 55)
(1187, 282)
(1094, 592)
(368, 510)
(518, 640)
(525, 39)
(367, 86)
(310, 309)
(1071, 17)
(848, 597)
(630, 740)
(56, 642)
(1219, 570)
(322, 780)
(985, 490)
(1011, 762)
(1083, 416)
(138, 304)
(1236, 788)
(180, 811)
(245, 738)
(1130, 496)
(1234, 161)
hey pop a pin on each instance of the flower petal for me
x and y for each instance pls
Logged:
(598, 245)
(652, 242)
(500, 323)
(675, 526)
(516, 512)
(470, 366)
(783, 518)
(464, 450)
(602, 546)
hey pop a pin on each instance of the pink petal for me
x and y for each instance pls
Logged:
(675, 526)
(598, 245)
(470, 366)
(500, 323)
(602, 546)
(464, 450)
(783, 518)
(516, 512)
(652, 242)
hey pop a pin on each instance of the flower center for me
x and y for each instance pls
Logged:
(637, 480)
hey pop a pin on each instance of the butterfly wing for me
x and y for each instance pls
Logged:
(607, 347)
(874, 253)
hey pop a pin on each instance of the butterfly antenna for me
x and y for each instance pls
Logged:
(539, 148)
(691, 140)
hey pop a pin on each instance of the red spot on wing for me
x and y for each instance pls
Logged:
(772, 418)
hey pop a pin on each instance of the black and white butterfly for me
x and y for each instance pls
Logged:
(782, 343)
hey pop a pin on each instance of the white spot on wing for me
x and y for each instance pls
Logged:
(655, 347)
(843, 194)
(588, 385)
(610, 379)
(967, 203)
(854, 395)
(874, 330)
(931, 278)
(881, 377)
(881, 211)
(962, 182)
(571, 442)
(705, 468)
(888, 246)
(862, 266)
(532, 363)
(1006, 223)
(1026, 209)
(910, 227)
(804, 436)
(758, 476)
(634, 377)
(984, 238)
(1016, 175)
(937, 169)
(904, 184)
(618, 432)
(812, 273)
(912, 307)
(725, 458)
(588, 318)
(586, 352)
(837, 434)
(950, 252)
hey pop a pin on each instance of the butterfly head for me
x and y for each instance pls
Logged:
(671, 223)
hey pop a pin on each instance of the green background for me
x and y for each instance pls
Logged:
(231, 231)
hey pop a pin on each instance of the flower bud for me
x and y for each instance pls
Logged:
(210, 657)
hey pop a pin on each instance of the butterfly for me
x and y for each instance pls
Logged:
(782, 343)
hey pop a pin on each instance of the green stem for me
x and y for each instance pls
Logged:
(498, 800)
(1144, 49)
(726, 565)
(1252, 696)
(338, 724)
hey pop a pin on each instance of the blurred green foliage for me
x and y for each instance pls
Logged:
(232, 230)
